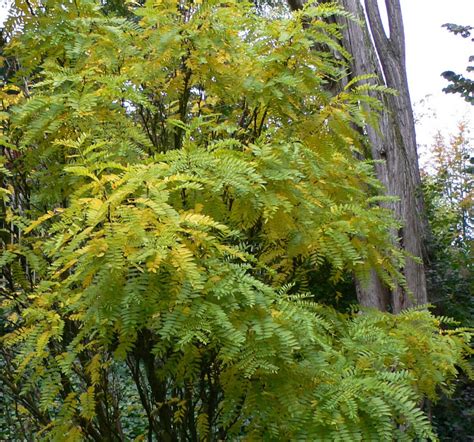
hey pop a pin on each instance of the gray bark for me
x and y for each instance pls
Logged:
(394, 143)
(401, 175)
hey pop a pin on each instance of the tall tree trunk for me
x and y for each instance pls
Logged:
(394, 143)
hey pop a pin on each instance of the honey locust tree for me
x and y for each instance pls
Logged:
(165, 175)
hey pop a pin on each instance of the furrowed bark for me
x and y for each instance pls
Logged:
(394, 142)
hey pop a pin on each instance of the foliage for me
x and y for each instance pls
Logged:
(448, 190)
(453, 414)
(459, 84)
(165, 176)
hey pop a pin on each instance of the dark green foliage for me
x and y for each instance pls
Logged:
(460, 84)
(453, 416)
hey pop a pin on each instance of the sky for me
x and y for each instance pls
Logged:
(431, 50)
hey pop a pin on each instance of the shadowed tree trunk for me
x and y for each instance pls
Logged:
(394, 142)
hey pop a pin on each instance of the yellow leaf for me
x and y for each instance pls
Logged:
(275, 313)
(43, 218)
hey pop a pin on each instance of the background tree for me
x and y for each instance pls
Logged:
(448, 188)
(393, 142)
(459, 83)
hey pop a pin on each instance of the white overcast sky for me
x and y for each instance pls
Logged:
(431, 50)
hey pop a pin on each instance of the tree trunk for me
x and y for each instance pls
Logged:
(394, 142)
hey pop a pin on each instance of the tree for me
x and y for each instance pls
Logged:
(393, 144)
(165, 176)
(448, 189)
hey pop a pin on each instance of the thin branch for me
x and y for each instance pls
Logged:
(397, 32)
(382, 43)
